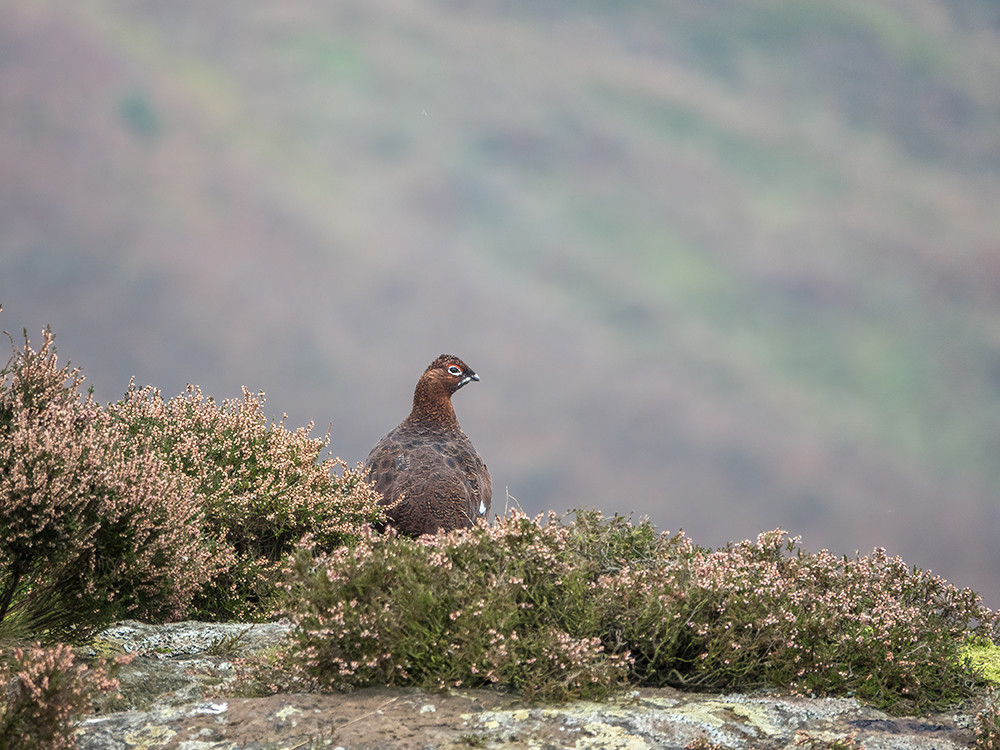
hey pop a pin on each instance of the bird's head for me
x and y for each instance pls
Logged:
(449, 373)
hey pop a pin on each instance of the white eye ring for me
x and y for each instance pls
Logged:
(455, 370)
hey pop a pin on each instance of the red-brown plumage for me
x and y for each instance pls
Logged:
(427, 470)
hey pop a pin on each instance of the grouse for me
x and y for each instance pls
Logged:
(430, 476)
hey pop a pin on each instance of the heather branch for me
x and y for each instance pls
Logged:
(90, 532)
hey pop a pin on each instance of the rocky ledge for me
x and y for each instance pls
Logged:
(175, 691)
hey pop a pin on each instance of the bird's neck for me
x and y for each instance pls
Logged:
(432, 408)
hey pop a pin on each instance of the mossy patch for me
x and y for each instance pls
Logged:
(101, 648)
(984, 655)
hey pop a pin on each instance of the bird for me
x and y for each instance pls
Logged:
(429, 474)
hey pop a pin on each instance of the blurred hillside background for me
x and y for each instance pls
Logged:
(731, 265)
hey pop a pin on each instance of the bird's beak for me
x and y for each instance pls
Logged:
(467, 378)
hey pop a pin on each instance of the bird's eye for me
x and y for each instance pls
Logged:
(455, 370)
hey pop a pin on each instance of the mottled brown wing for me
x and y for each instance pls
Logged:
(460, 455)
(436, 498)
(386, 466)
(423, 481)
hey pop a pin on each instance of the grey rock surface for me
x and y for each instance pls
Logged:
(176, 694)
(181, 662)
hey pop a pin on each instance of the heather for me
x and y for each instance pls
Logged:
(987, 723)
(149, 508)
(564, 609)
(90, 532)
(43, 691)
(261, 489)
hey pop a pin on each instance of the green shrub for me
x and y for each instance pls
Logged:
(262, 490)
(506, 605)
(768, 613)
(43, 691)
(572, 610)
(90, 534)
